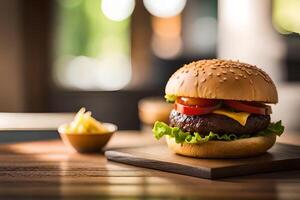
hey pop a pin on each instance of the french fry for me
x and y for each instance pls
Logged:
(84, 123)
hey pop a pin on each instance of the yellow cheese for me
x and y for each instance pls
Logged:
(240, 117)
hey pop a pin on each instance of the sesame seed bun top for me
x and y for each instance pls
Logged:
(222, 79)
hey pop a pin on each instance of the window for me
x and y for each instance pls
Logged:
(91, 52)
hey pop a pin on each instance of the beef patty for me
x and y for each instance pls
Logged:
(220, 124)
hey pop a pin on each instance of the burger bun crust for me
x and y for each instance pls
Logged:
(222, 79)
(239, 148)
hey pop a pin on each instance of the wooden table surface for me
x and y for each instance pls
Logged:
(45, 170)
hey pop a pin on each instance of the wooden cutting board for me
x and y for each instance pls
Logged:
(280, 157)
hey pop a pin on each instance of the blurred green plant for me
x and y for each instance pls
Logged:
(286, 16)
(82, 29)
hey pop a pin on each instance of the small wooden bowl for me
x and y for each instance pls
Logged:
(87, 142)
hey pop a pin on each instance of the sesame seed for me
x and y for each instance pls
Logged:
(181, 82)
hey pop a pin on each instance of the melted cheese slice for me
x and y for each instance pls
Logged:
(240, 117)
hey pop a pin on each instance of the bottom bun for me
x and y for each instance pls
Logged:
(224, 149)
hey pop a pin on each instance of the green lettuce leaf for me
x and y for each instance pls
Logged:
(275, 128)
(170, 98)
(161, 129)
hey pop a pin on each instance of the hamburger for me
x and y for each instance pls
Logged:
(221, 110)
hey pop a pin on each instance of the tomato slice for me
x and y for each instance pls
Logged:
(195, 110)
(190, 101)
(249, 107)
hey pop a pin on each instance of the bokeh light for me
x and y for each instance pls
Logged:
(166, 38)
(164, 8)
(117, 10)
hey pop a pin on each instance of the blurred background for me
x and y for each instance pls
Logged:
(60, 55)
